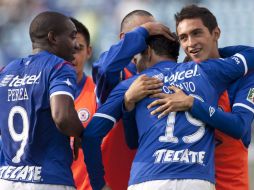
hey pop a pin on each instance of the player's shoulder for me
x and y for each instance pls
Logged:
(47, 58)
(52, 62)
(13, 65)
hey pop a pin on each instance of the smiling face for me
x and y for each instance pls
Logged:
(197, 41)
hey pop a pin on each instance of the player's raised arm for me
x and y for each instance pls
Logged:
(107, 70)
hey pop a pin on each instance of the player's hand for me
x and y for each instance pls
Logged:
(156, 28)
(106, 188)
(76, 146)
(140, 88)
(177, 101)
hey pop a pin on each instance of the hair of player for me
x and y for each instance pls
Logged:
(45, 22)
(194, 11)
(82, 29)
(130, 15)
(163, 46)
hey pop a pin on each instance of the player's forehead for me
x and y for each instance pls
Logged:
(81, 39)
(188, 25)
(137, 20)
(69, 26)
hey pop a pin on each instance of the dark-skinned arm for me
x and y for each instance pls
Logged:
(65, 116)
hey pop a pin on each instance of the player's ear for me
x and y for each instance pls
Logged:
(51, 37)
(149, 53)
(89, 51)
(216, 33)
(122, 34)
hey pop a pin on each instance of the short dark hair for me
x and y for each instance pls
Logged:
(133, 13)
(81, 29)
(194, 11)
(45, 22)
(163, 46)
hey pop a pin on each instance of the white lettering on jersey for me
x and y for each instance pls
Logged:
(21, 173)
(182, 75)
(183, 156)
(17, 94)
(187, 86)
(17, 81)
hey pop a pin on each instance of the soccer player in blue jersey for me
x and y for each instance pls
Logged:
(112, 67)
(37, 113)
(196, 27)
(170, 149)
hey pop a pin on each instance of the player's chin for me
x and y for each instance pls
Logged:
(71, 59)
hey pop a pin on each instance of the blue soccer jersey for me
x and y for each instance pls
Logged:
(34, 150)
(174, 147)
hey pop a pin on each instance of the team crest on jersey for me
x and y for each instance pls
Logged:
(83, 115)
(250, 96)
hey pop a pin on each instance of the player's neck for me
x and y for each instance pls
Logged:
(156, 59)
(38, 47)
(37, 50)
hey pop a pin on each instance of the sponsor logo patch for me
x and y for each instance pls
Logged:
(250, 96)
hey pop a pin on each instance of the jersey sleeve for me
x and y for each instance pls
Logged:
(130, 129)
(231, 50)
(101, 123)
(107, 71)
(222, 72)
(237, 122)
(244, 95)
(62, 80)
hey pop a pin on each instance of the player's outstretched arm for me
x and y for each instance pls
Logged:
(65, 115)
(233, 124)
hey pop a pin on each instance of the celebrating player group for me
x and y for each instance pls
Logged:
(144, 120)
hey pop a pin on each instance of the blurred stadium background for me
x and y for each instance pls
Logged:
(103, 17)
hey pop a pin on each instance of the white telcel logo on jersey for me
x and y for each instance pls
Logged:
(20, 92)
(21, 173)
(182, 75)
(17, 81)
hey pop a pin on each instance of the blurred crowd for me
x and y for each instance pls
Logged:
(103, 17)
